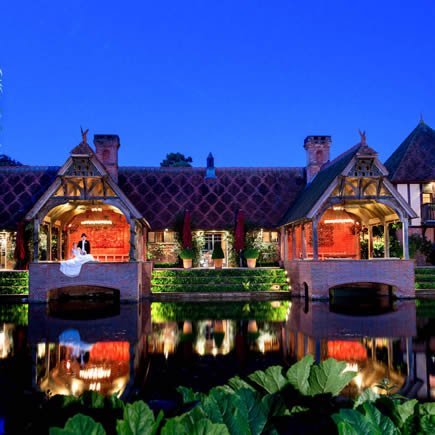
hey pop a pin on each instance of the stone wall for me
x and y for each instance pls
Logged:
(320, 276)
(132, 279)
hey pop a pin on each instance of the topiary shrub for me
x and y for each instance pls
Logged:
(251, 253)
(218, 253)
(187, 254)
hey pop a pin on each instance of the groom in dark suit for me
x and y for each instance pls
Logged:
(84, 245)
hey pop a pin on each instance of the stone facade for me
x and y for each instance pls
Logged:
(317, 277)
(132, 279)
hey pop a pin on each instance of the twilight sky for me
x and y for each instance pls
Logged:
(247, 80)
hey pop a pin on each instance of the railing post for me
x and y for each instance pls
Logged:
(315, 239)
(304, 243)
(405, 239)
(36, 240)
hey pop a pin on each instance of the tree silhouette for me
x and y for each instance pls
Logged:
(176, 160)
(7, 161)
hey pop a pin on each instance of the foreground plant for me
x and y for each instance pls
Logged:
(300, 400)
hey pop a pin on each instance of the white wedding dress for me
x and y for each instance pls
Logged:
(73, 266)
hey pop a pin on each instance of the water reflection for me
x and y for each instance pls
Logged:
(147, 350)
(375, 346)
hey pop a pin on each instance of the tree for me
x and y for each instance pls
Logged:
(7, 161)
(176, 160)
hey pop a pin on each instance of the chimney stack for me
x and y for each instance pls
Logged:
(317, 148)
(106, 147)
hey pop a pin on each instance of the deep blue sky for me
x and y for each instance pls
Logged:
(247, 80)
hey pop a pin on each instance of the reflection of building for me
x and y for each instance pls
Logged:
(102, 355)
(104, 368)
(377, 347)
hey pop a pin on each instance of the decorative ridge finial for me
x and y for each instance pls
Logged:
(363, 137)
(421, 119)
(84, 134)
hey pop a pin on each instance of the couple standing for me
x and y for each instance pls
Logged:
(81, 254)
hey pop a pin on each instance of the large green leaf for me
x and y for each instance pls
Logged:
(329, 377)
(189, 395)
(367, 395)
(236, 383)
(184, 426)
(258, 411)
(224, 407)
(79, 425)
(138, 420)
(92, 399)
(427, 418)
(366, 420)
(299, 373)
(271, 379)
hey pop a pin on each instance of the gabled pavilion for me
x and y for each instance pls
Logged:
(310, 219)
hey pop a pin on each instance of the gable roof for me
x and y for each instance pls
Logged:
(414, 160)
(264, 194)
(22, 186)
(314, 190)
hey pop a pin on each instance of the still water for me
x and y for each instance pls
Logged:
(146, 350)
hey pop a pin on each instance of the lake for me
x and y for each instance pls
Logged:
(146, 350)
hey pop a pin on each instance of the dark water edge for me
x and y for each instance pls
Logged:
(151, 348)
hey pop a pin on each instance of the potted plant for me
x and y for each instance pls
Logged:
(218, 256)
(251, 255)
(187, 255)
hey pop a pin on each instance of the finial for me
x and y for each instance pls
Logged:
(363, 137)
(84, 134)
(421, 119)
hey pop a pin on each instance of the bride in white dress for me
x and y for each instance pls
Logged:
(73, 266)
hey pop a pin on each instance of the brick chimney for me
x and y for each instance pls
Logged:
(317, 148)
(106, 147)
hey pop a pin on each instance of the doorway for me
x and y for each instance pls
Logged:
(211, 239)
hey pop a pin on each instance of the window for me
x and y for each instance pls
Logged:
(270, 236)
(161, 236)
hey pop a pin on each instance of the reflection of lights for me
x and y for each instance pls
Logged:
(275, 304)
(75, 386)
(214, 351)
(95, 373)
(97, 222)
(200, 347)
(68, 365)
(40, 350)
(358, 380)
(351, 367)
(95, 386)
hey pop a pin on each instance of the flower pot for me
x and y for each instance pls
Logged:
(187, 264)
(218, 263)
(251, 262)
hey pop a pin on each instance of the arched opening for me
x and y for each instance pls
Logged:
(105, 226)
(80, 292)
(362, 298)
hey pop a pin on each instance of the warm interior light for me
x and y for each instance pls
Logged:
(97, 222)
(95, 373)
(96, 209)
(339, 221)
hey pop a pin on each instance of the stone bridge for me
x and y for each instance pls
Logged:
(314, 278)
(131, 279)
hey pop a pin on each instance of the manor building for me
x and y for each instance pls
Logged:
(325, 211)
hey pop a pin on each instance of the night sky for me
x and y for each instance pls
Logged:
(246, 80)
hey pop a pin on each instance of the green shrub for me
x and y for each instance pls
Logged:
(218, 253)
(187, 254)
(251, 253)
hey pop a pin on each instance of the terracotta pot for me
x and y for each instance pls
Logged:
(187, 264)
(218, 263)
(251, 262)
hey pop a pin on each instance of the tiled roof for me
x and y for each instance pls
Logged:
(160, 194)
(314, 190)
(82, 149)
(414, 160)
(21, 187)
